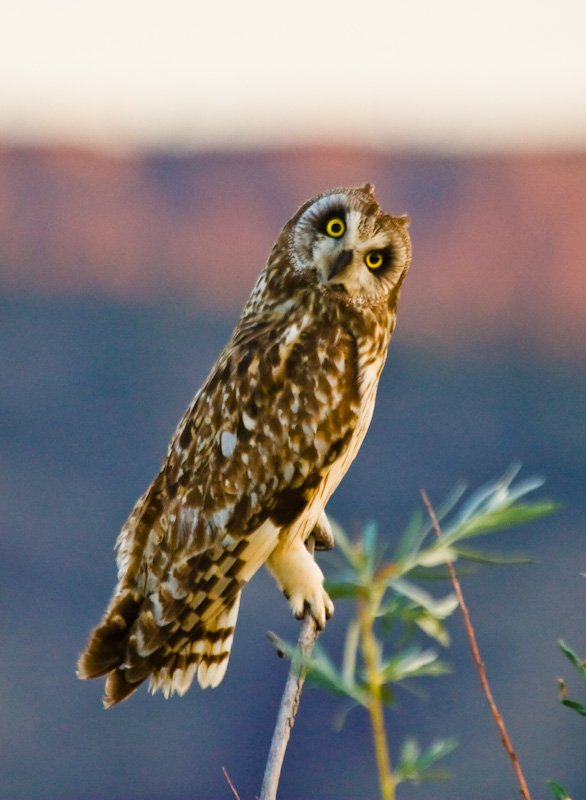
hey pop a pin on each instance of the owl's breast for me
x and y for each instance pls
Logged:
(348, 372)
(369, 368)
(272, 432)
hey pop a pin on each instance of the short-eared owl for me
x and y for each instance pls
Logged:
(258, 452)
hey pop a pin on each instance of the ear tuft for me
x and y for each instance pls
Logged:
(368, 188)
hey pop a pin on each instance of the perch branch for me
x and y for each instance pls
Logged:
(289, 705)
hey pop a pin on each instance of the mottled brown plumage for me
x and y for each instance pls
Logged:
(258, 452)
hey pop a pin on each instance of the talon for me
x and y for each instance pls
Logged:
(329, 609)
(322, 532)
(318, 618)
(321, 609)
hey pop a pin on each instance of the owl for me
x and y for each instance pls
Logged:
(258, 453)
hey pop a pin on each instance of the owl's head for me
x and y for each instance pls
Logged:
(345, 243)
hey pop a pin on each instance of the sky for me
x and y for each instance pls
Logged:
(447, 76)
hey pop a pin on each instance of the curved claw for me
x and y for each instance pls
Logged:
(319, 606)
(324, 538)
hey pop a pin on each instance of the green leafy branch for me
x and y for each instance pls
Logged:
(379, 654)
(579, 664)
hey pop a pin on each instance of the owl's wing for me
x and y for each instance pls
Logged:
(277, 410)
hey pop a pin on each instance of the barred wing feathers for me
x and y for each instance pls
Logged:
(277, 411)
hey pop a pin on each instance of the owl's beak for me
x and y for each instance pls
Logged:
(341, 262)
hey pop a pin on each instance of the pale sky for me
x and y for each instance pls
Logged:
(446, 75)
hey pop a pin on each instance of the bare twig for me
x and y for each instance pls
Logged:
(288, 707)
(230, 784)
(505, 739)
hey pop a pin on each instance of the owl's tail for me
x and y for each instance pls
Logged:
(107, 645)
(206, 656)
(121, 648)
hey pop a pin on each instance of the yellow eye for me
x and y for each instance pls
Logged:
(374, 260)
(336, 227)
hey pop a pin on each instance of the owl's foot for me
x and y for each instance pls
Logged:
(301, 581)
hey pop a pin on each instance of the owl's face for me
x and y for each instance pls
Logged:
(351, 249)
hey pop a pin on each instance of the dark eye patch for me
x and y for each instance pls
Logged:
(387, 260)
(332, 213)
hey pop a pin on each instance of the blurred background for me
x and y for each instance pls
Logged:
(150, 153)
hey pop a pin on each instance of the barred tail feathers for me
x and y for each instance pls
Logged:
(207, 656)
(107, 644)
(216, 654)
(170, 637)
(114, 650)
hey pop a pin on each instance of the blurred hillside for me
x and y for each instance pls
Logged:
(120, 281)
(499, 243)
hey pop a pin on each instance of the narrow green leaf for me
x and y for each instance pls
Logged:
(497, 520)
(410, 752)
(321, 676)
(406, 544)
(420, 525)
(369, 546)
(344, 589)
(340, 717)
(344, 544)
(433, 627)
(411, 664)
(472, 507)
(351, 645)
(439, 573)
(429, 775)
(321, 671)
(437, 554)
(496, 488)
(415, 766)
(581, 709)
(441, 608)
(569, 653)
(525, 487)
(438, 749)
(492, 558)
(446, 505)
(578, 663)
(558, 791)
(318, 667)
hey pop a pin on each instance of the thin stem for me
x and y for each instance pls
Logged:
(505, 739)
(371, 655)
(230, 784)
